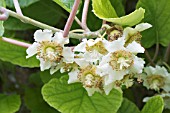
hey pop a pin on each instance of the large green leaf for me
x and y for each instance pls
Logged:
(103, 9)
(73, 98)
(9, 104)
(154, 105)
(66, 4)
(118, 6)
(16, 55)
(157, 14)
(22, 3)
(128, 107)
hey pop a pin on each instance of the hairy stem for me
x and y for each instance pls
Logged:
(84, 15)
(15, 42)
(17, 7)
(71, 18)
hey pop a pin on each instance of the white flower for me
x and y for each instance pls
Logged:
(92, 50)
(120, 60)
(133, 34)
(156, 78)
(50, 49)
(88, 77)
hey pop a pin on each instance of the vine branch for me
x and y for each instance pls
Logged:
(71, 18)
(17, 7)
(84, 15)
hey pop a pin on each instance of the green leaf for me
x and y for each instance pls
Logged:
(72, 98)
(22, 3)
(103, 9)
(9, 104)
(16, 55)
(154, 105)
(118, 6)
(128, 107)
(157, 14)
(67, 4)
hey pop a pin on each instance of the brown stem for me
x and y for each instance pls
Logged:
(84, 15)
(156, 52)
(149, 58)
(71, 18)
(167, 54)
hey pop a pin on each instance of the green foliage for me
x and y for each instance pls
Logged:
(154, 105)
(9, 104)
(118, 6)
(23, 3)
(16, 55)
(103, 9)
(128, 107)
(73, 98)
(157, 14)
(108, 13)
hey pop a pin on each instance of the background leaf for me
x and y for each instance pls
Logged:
(16, 55)
(118, 6)
(157, 14)
(73, 98)
(9, 104)
(103, 9)
(22, 3)
(2, 4)
(128, 107)
(154, 105)
(66, 4)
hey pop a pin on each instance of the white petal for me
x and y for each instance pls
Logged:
(44, 35)
(55, 69)
(108, 88)
(91, 91)
(143, 26)
(81, 62)
(135, 47)
(128, 31)
(92, 56)
(73, 76)
(32, 50)
(68, 55)
(148, 70)
(58, 37)
(80, 47)
(44, 65)
(115, 45)
(138, 65)
(115, 75)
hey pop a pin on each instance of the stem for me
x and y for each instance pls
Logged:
(77, 30)
(32, 22)
(3, 14)
(15, 42)
(84, 15)
(156, 52)
(71, 18)
(17, 7)
(78, 22)
(149, 58)
(167, 54)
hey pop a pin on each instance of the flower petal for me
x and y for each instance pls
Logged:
(58, 37)
(44, 65)
(135, 47)
(44, 35)
(143, 26)
(73, 76)
(68, 55)
(80, 47)
(32, 50)
(55, 69)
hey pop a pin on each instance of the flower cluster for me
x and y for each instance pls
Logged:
(99, 64)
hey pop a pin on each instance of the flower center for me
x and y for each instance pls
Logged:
(156, 81)
(50, 51)
(89, 78)
(121, 60)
